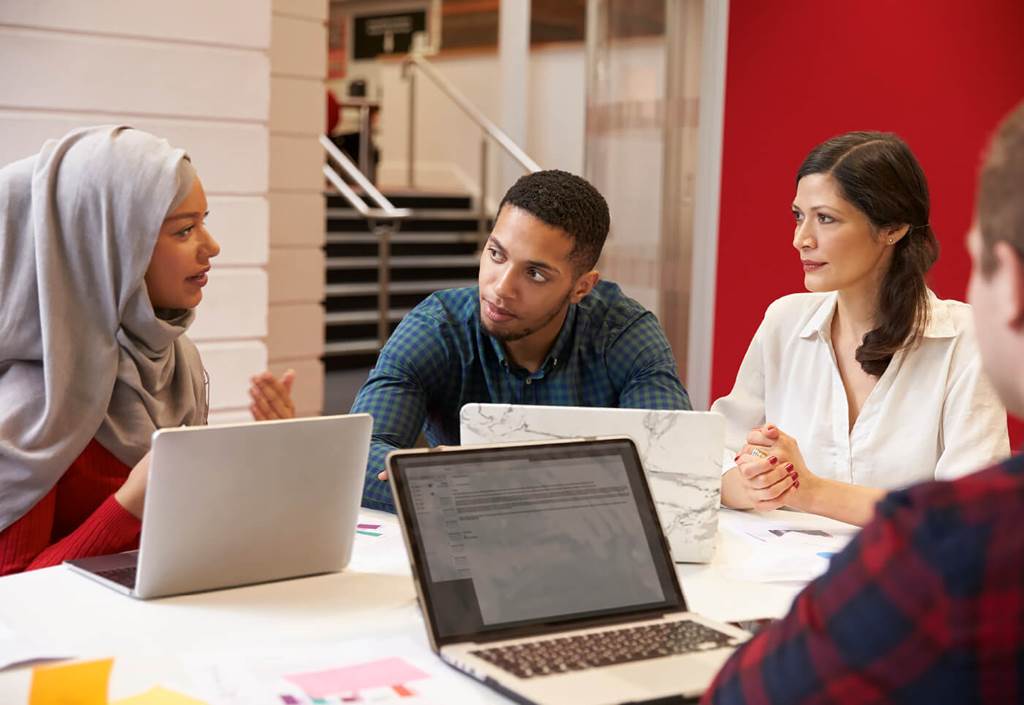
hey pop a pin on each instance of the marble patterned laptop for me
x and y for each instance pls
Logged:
(681, 452)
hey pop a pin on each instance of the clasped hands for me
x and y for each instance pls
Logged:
(772, 470)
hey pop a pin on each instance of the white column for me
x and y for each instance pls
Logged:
(298, 67)
(514, 61)
(706, 201)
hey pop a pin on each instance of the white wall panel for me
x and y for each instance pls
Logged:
(297, 105)
(310, 9)
(230, 365)
(230, 158)
(233, 416)
(295, 164)
(297, 219)
(295, 331)
(298, 59)
(241, 226)
(298, 47)
(234, 305)
(194, 72)
(78, 72)
(178, 21)
(296, 275)
(308, 390)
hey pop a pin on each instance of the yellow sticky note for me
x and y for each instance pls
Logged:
(158, 696)
(78, 683)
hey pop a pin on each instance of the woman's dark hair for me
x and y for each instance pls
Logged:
(879, 175)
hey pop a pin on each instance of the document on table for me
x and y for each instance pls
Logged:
(784, 548)
(379, 670)
(20, 648)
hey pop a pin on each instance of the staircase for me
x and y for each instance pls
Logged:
(435, 249)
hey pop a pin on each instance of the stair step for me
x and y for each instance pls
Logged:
(343, 238)
(413, 199)
(336, 318)
(426, 214)
(424, 261)
(351, 347)
(403, 287)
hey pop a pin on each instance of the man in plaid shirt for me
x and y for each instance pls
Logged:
(926, 605)
(539, 329)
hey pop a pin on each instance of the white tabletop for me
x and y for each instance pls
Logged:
(374, 597)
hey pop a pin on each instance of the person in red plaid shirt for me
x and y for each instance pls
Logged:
(926, 605)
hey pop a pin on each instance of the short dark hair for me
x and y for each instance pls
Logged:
(879, 175)
(569, 203)
(1001, 189)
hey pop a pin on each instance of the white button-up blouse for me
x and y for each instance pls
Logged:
(933, 414)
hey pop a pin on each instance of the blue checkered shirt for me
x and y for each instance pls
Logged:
(611, 352)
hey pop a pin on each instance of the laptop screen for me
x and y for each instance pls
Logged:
(506, 538)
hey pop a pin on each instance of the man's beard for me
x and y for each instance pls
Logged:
(510, 336)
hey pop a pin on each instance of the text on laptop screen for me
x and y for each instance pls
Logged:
(515, 537)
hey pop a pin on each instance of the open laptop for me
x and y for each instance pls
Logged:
(680, 450)
(542, 571)
(245, 503)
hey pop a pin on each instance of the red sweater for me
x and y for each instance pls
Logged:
(79, 517)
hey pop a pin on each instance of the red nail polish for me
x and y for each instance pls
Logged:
(789, 467)
(772, 460)
(796, 483)
(737, 457)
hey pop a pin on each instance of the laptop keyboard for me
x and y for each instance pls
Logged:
(575, 653)
(121, 576)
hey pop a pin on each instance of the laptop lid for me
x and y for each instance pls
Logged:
(680, 450)
(245, 503)
(518, 540)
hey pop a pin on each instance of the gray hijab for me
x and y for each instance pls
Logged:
(83, 354)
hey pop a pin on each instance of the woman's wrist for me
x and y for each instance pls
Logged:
(812, 496)
(128, 499)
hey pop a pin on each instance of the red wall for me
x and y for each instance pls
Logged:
(938, 72)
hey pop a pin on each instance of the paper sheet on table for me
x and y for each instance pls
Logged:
(778, 567)
(795, 549)
(79, 683)
(158, 695)
(798, 538)
(381, 670)
(376, 547)
(378, 673)
(18, 648)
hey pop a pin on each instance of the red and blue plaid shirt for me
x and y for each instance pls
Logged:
(926, 605)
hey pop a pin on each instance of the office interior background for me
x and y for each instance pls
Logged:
(691, 116)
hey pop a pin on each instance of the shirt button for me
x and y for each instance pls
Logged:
(529, 381)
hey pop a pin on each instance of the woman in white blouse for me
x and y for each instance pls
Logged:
(869, 382)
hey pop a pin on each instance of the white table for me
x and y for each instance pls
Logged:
(375, 595)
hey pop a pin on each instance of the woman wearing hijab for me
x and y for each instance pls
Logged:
(103, 257)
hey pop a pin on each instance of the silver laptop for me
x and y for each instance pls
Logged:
(680, 450)
(246, 503)
(542, 571)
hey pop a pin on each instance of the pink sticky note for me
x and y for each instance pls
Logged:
(367, 526)
(373, 674)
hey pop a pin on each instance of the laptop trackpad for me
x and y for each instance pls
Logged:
(689, 674)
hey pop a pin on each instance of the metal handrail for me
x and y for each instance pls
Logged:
(386, 211)
(492, 130)
(387, 208)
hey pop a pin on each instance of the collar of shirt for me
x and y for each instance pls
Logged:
(939, 325)
(558, 351)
